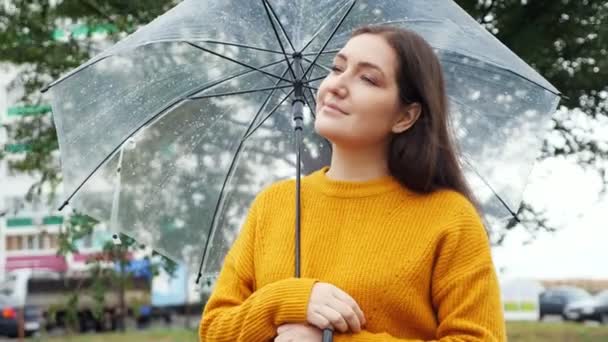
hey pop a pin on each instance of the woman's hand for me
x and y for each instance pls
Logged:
(298, 333)
(330, 307)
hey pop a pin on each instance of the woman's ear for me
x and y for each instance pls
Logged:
(407, 118)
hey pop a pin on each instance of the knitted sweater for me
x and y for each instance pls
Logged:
(419, 266)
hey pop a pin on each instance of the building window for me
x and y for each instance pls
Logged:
(43, 241)
(53, 241)
(47, 241)
(87, 241)
(13, 243)
(31, 242)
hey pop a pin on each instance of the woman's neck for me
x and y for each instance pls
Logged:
(358, 164)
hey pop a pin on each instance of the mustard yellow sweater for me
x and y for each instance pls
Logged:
(418, 265)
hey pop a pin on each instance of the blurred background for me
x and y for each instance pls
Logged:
(65, 274)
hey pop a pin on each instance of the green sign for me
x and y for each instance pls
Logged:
(83, 31)
(19, 222)
(28, 110)
(17, 148)
(48, 220)
(16, 222)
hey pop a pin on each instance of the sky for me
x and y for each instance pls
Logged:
(579, 249)
(567, 192)
(570, 196)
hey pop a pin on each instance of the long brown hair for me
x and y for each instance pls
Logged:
(424, 157)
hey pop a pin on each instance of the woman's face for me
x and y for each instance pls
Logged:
(358, 103)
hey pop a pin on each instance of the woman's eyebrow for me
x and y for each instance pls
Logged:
(361, 64)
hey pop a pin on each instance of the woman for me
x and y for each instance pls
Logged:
(393, 247)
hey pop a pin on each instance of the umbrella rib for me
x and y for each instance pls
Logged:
(267, 3)
(493, 192)
(323, 53)
(197, 97)
(310, 88)
(243, 46)
(274, 28)
(283, 90)
(505, 69)
(70, 74)
(314, 36)
(165, 77)
(269, 115)
(154, 117)
(392, 22)
(315, 79)
(474, 111)
(312, 109)
(82, 67)
(451, 59)
(230, 171)
(237, 62)
(331, 36)
(319, 65)
(266, 101)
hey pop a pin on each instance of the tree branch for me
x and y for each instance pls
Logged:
(92, 5)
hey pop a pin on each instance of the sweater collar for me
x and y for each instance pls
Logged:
(338, 188)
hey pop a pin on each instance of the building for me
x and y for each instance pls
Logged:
(29, 230)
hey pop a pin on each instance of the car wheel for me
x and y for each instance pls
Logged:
(604, 318)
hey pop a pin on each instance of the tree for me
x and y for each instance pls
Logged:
(104, 278)
(566, 41)
(44, 39)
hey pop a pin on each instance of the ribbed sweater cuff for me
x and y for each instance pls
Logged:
(365, 336)
(289, 298)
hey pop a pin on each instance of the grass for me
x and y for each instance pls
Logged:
(517, 331)
(520, 306)
(155, 335)
(555, 332)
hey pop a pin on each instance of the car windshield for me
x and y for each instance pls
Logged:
(602, 296)
(6, 287)
(578, 294)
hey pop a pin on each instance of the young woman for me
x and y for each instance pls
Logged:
(393, 247)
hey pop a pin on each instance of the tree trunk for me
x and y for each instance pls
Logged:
(121, 290)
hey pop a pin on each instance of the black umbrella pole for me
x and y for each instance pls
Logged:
(297, 107)
(298, 116)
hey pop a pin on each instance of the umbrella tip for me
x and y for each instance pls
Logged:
(63, 205)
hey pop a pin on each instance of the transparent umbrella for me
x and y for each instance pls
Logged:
(208, 95)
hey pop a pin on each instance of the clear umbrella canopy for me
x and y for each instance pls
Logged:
(196, 109)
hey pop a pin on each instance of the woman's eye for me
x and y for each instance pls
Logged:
(368, 80)
(336, 68)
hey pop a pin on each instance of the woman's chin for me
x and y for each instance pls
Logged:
(335, 135)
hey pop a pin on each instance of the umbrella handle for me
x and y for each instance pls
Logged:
(328, 335)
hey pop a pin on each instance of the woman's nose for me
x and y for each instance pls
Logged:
(338, 86)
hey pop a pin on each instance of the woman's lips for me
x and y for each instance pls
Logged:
(334, 108)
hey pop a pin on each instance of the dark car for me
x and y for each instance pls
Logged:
(11, 314)
(554, 301)
(595, 309)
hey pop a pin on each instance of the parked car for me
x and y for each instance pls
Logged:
(10, 315)
(594, 309)
(554, 301)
